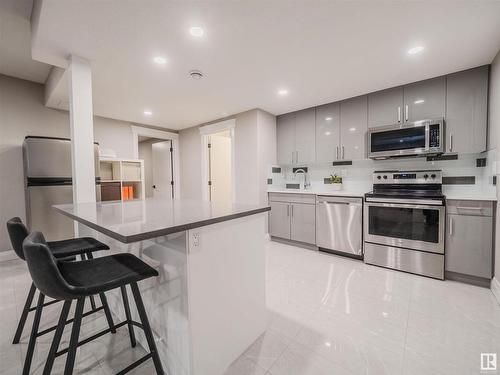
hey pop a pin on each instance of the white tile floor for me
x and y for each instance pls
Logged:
(329, 315)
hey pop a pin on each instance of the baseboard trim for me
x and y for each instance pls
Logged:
(5, 256)
(495, 289)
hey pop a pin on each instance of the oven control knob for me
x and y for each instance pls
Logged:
(379, 177)
(426, 176)
(385, 177)
(433, 175)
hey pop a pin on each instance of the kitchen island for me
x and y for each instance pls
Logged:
(208, 303)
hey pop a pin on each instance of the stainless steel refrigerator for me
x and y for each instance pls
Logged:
(47, 177)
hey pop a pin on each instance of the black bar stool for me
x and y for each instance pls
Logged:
(70, 281)
(65, 249)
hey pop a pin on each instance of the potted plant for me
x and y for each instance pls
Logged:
(336, 182)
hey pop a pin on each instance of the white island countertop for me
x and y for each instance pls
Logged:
(132, 221)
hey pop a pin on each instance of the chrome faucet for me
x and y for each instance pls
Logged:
(306, 183)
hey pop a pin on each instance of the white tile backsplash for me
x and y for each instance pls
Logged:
(358, 176)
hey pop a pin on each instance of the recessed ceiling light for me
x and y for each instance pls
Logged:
(147, 113)
(160, 60)
(352, 129)
(283, 92)
(328, 133)
(196, 31)
(328, 119)
(419, 101)
(415, 50)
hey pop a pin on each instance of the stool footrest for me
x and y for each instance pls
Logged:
(135, 364)
(45, 304)
(45, 331)
(93, 337)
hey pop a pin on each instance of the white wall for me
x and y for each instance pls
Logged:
(255, 152)
(22, 113)
(494, 130)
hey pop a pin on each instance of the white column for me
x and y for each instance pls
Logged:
(82, 130)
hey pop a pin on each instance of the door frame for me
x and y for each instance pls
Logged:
(205, 132)
(166, 136)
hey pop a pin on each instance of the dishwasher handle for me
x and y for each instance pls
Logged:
(339, 200)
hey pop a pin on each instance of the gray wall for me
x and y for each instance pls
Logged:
(22, 113)
(255, 152)
(494, 130)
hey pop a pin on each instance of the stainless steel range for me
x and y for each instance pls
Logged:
(404, 222)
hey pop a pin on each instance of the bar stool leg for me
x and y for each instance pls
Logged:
(34, 332)
(126, 306)
(24, 315)
(75, 332)
(107, 312)
(92, 299)
(147, 329)
(57, 338)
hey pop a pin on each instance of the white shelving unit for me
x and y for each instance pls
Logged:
(119, 173)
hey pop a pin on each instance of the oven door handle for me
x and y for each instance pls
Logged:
(401, 205)
(419, 202)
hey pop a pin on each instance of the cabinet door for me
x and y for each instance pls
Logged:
(279, 220)
(466, 111)
(385, 107)
(285, 134)
(303, 222)
(353, 127)
(327, 132)
(305, 142)
(425, 99)
(469, 245)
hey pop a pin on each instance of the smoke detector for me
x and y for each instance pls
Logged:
(195, 74)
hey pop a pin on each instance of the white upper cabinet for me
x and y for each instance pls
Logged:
(296, 137)
(305, 143)
(285, 134)
(328, 132)
(353, 127)
(466, 111)
(385, 107)
(425, 100)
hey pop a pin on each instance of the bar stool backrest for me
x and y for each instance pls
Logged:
(44, 270)
(17, 233)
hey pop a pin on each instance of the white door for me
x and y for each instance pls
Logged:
(162, 170)
(220, 168)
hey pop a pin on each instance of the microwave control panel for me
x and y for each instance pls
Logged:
(434, 136)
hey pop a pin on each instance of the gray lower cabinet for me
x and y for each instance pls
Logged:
(293, 217)
(279, 219)
(466, 110)
(303, 222)
(469, 238)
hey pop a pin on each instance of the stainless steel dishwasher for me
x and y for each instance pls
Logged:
(339, 225)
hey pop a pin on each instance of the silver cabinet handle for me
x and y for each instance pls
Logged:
(297, 157)
(406, 112)
(451, 226)
(451, 142)
(287, 210)
(399, 114)
(337, 153)
(292, 156)
(343, 152)
(292, 209)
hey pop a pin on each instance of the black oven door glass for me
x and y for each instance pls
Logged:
(405, 223)
(400, 139)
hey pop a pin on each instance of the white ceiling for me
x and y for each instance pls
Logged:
(15, 42)
(320, 51)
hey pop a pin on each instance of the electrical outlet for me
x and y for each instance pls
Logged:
(196, 239)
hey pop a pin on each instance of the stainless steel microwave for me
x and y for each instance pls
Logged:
(419, 138)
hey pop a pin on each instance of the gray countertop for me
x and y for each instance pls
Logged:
(139, 220)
